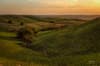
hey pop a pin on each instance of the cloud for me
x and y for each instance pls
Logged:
(49, 6)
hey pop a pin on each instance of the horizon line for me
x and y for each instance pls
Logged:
(51, 14)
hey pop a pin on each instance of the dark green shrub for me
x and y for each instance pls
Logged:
(21, 23)
(10, 22)
(27, 35)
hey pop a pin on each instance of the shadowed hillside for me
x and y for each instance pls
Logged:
(86, 34)
(83, 40)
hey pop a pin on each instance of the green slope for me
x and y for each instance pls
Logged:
(69, 46)
(90, 32)
(75, 38)
(16, 18)
(11, 52)
(75, 43)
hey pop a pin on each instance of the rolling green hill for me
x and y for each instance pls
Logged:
(16, 18)
(71, 43)
(69, 46)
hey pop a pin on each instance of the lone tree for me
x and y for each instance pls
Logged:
(27, 35)
(51, 21)
(10, 22)
(21, 23)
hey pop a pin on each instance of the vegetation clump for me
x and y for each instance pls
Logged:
(10, 22)
(27, 35)
(21, 23)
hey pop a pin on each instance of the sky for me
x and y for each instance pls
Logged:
(53, 7)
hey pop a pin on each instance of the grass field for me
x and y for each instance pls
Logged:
(71, 45)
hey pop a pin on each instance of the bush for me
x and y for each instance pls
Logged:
(10, 22)
(27, 35)
(21, 23)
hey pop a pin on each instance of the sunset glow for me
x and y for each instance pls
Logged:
(49, 7)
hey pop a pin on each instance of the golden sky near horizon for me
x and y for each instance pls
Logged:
(50, 7)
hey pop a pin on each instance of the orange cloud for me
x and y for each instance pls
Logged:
(51, 7)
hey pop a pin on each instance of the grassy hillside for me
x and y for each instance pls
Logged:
(88, 31)
(72, 43)
(68, 46)
(15, 18)
(11, 50)
(14, 22)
